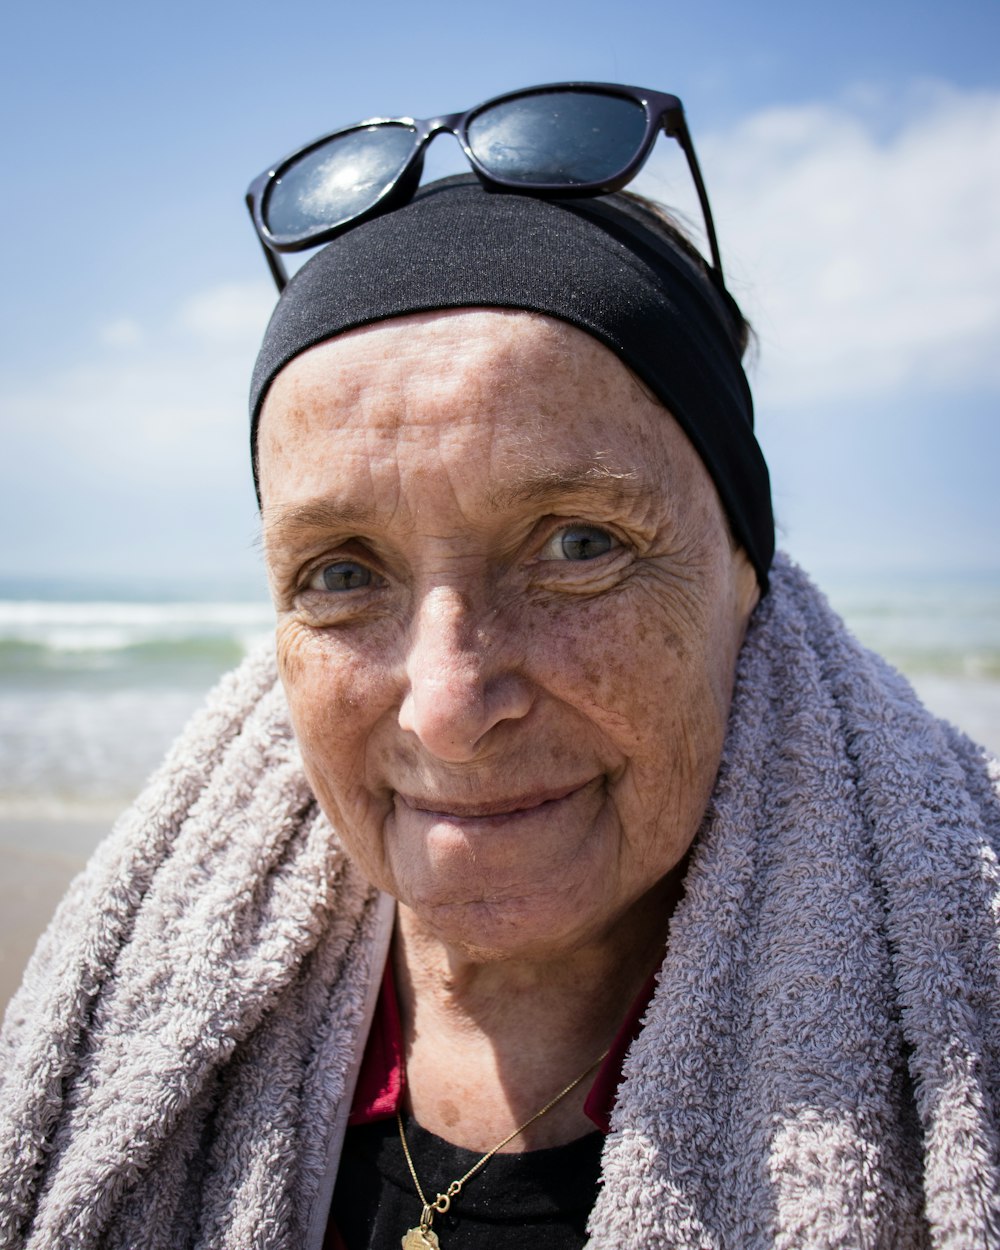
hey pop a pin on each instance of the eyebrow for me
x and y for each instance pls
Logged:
(586, 481)
(287, 522)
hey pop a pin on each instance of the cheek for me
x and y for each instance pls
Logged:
(615, 661)
(335, 701)
(656, 692)
(321, 690)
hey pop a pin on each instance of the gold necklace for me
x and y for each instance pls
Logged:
(423, 1236)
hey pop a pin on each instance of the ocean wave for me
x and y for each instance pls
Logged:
(39, 635)
(32, 613)
(981, 665)
(105, 650)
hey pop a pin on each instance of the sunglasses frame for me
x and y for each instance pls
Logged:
(662, 111)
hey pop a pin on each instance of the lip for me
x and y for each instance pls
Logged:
(532, 802)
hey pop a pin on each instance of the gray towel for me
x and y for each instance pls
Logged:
(819, 1066)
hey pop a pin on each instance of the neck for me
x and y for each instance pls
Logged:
(489, 1041)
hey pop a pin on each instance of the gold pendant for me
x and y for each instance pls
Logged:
(421, 1239)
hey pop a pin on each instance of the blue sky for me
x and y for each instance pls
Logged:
(852, 153)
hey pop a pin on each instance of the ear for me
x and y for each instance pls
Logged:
(745, 584)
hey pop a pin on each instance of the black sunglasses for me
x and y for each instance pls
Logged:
(564, 139)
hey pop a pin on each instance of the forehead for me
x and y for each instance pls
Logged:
(509, 394)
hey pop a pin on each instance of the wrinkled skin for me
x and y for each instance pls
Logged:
(509, 610)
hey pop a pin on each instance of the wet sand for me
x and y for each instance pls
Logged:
(38, 859)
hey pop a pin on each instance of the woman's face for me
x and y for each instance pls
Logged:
(508, 616)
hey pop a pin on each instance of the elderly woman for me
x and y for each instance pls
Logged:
(568, 875)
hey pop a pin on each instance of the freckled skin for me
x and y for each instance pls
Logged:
(449, 1112)
(480, 666)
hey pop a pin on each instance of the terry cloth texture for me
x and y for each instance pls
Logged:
(818, 1068)
(602, 264)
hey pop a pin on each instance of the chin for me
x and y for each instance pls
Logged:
(530, 928)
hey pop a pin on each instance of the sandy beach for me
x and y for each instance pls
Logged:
(38, 859)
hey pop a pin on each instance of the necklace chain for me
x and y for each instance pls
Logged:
(422, 1235)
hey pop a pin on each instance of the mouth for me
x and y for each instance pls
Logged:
(530, 803)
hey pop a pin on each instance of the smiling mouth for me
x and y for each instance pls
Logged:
(447, 809)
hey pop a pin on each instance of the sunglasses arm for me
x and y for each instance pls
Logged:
(277, 267)
(677, 128)
(274, 262)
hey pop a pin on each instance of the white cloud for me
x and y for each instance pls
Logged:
(869, 262)
(124, 332)
(174, 402)
(234, 312)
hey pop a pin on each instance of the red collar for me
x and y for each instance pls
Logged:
(383, 1074)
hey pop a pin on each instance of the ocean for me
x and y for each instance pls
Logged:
(94, 684)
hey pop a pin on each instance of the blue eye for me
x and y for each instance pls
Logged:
(343, 575)
(578, 542)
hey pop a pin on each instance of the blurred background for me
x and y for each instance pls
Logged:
(852, 156)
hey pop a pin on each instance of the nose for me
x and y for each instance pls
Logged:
(457, 688)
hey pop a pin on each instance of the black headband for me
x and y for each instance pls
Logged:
(604, 265)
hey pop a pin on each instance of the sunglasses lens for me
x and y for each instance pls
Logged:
(558, 138)
(337, 181)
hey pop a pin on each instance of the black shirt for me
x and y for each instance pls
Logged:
(540, 1198)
